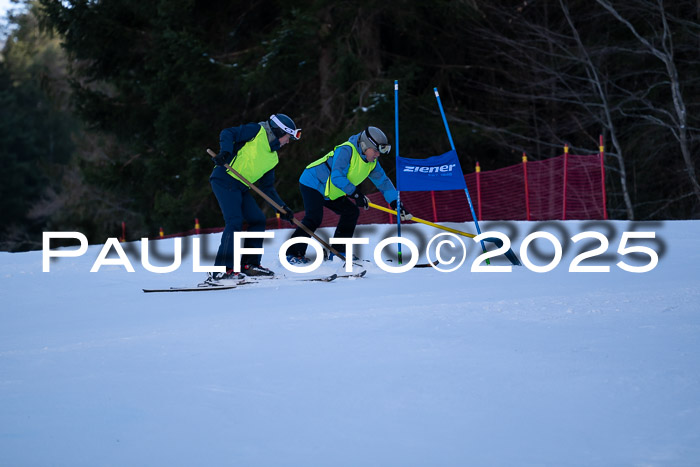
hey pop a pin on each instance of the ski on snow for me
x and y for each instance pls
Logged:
(333, 277)
(198, 288)
(203, 287)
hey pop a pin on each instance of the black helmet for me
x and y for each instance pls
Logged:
(281, 124)
(373, 137)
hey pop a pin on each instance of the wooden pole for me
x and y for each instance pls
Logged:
(279, 208)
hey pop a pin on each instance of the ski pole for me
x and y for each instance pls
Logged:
(509, 254)
(279, 208)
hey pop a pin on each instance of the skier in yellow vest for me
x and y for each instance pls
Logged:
(251, 150)
(333, 180)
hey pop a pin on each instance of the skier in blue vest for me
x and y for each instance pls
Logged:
(333, 180)
(251, 150)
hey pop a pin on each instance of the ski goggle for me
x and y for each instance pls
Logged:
(382, 148)
(296, 134)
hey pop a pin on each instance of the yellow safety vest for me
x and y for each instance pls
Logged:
(359, 170)
(254, 159)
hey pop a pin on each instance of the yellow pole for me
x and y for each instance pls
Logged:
(421, 221)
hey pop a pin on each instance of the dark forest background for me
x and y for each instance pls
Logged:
(107, 106)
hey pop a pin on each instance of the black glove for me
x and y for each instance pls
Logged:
(222, 158)
(405, 215)
(289, 216)
(360, 200)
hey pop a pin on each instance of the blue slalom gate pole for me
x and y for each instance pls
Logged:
(398, 193)
(466, 190)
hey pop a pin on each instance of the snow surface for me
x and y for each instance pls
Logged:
(421, 368)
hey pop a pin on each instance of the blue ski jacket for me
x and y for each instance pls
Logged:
(337, 168)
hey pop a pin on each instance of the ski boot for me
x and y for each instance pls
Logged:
(257, 271)
(225, 278)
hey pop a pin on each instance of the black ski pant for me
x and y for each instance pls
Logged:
(314, 202)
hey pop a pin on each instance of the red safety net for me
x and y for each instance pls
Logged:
(584, 188)
(548, 192)
(504, 194)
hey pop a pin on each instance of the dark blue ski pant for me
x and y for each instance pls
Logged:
(237, 205)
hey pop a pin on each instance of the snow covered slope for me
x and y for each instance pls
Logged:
(419, 368)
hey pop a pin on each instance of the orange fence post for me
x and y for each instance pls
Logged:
(478, 188)
(161, 234)
(432, 196)
(123, 239)
(527, 191)
(602, 178)
(196, 225)
(566, 166)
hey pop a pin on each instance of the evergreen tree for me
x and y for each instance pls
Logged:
(155, 82)
(35, 129)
